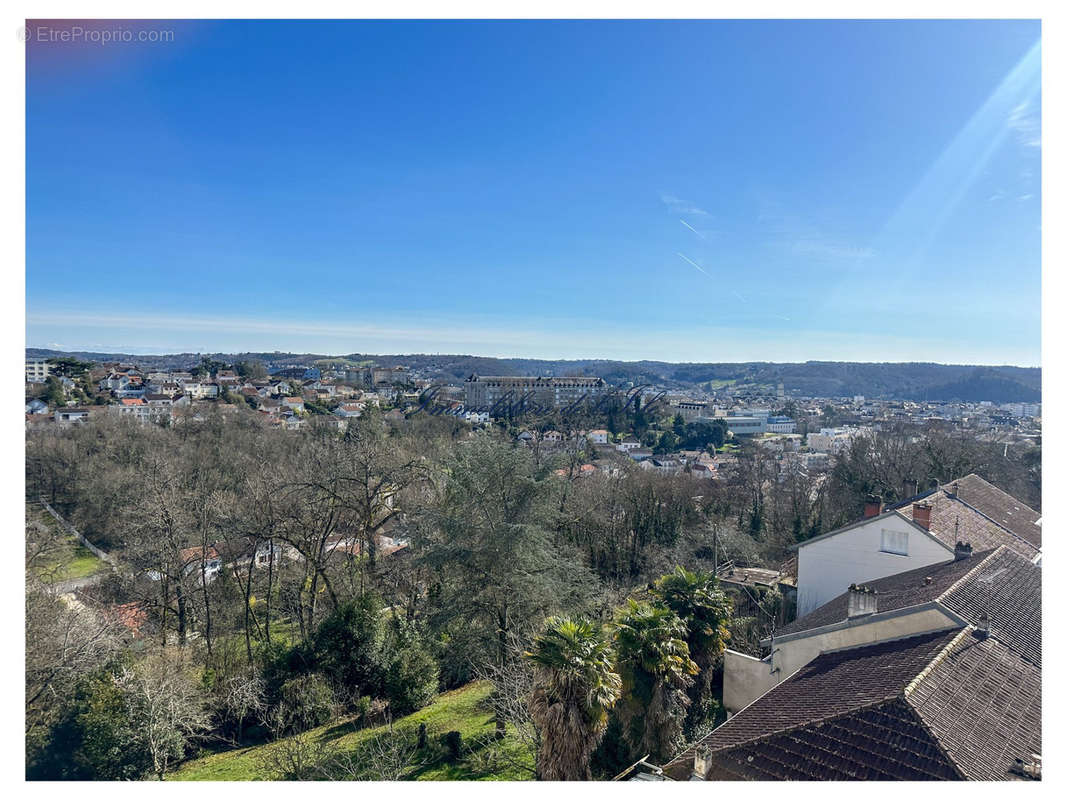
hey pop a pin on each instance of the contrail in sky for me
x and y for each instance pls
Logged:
(695, 264)
(694, 230)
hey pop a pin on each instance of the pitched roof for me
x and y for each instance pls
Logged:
(934, 706)
(1007, 588)
(953, 520)
(999, 506)
(886, 741)
(998, 583)
(193, 554)
(895, 591)
(831, 685)
(982, 702)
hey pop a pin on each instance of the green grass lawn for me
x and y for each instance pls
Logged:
(71, 560)
(460, 710)
(77, 562)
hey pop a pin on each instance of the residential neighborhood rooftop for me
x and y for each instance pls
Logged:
(937, 706)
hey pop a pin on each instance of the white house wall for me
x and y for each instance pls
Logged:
(826, 567)
(744, 678)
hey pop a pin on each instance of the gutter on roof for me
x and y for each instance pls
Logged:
(856, 622)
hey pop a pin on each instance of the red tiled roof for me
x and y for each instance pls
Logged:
(192, 554)
(132, 616)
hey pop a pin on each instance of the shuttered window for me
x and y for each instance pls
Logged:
(895, 542)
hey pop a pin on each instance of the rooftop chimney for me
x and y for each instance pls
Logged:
(862, 600)
(701, 764)
(872, 508)
(963, 550)
(1028, 768)
(920, 514)
(981, 627)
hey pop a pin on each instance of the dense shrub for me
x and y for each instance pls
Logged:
(348, 646)
(92, 740)
(306, 702)
(411, 673)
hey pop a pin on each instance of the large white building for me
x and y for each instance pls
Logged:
(484, 392)
(780, 425)
(864, 551)
(37, 370)
(831, 440)
(746, 426)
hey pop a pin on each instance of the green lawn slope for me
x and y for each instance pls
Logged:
(462, 710)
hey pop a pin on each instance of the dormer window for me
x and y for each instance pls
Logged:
(895, 542)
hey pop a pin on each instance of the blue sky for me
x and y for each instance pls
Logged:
(685, 191)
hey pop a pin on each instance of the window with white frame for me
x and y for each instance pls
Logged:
(895, 542)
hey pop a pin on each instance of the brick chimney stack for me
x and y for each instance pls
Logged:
(963, 550)
(920, 514)
(872, 508)
(862, 600)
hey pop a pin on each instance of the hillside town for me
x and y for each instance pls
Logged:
(857, 597)
(806, 431)
(594, 399)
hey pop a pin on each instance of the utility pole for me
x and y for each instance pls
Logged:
(715, 548)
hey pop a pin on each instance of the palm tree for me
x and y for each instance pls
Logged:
(575, 686)
(706, 610)
(656, 671)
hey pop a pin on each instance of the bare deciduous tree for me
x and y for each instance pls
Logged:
(164, 705)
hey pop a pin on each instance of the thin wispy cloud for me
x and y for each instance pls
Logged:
(677, 205)
(831, 249)
(1026, 125)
